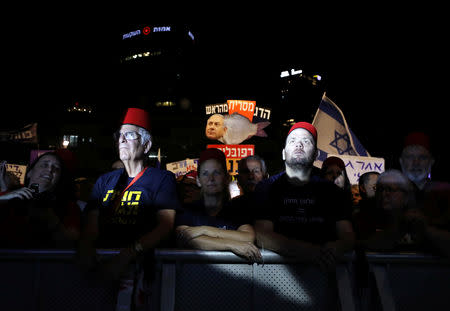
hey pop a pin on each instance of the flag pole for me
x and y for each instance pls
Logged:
(317, 111)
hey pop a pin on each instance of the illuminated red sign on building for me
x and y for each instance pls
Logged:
(146, 30)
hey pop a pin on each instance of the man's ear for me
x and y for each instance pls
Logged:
(147, 147)
(283, 154)
(198, 181)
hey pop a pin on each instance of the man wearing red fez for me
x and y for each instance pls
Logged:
(302, 215)
(416, 159)
(131, 208)
(431, 218)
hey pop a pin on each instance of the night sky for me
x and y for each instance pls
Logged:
(387, 72)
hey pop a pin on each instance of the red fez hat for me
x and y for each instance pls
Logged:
(307, 126)
(417, 138)
(333, 161)
(213, 153)
(138, 117)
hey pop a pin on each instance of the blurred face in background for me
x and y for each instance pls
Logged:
(250, 174)
(46, 172)
(391, 193)
(356, 196)
(336, 175)
(416, 162)
(212, 177)
(370, 185)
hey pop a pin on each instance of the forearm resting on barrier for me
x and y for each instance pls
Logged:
(244, 249)
(245, 233)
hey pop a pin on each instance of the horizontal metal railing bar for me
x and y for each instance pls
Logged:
(174, 254)
(405, 257)
(269, 257)
(65, 254)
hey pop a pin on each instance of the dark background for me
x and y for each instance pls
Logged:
(387, 71)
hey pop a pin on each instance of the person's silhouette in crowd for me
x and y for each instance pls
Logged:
(211, 223)
(43, 213)
(432, 196)
(366, 210)
(388, 225)
(132, 209)
(303, 215)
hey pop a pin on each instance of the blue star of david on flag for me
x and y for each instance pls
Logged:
(334, 134)
(342, 143)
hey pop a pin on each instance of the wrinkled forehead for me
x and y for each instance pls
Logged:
(48, 159)
(129, 128)
(252, 163)
(216, 118)
(300, 133)
(416, 150)
(393, 180)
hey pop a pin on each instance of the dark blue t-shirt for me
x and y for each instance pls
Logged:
(308, 212)
(123, 221)
(194, 214)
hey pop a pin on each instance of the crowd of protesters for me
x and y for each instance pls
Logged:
(303, 212)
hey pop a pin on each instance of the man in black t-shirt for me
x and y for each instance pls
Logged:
(299, 214)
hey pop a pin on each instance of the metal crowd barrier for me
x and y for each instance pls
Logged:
(213, 280)
(209, 280)
(49, 279)
(409, 281)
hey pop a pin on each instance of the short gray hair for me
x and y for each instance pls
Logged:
(401, 180)
(257, 158)
(145, 136)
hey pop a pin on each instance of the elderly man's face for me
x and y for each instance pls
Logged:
(416, 162)
(391, 193)
(300, 149)
(214, 127)
(250, 174)
(130, 149)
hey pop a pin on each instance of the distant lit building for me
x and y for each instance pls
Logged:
(156, 59)
(76, 107)
(300, 93)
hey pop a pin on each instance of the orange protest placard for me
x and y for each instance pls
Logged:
(234, 153)
(245, 108)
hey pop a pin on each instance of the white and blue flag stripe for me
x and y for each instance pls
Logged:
(334, 135)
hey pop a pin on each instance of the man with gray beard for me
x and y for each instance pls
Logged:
(300, 214)
(432, 215)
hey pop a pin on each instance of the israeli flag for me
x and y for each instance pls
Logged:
(333, 134)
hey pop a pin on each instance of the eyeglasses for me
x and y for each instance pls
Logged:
(128, 135)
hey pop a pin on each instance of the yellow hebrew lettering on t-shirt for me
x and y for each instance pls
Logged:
(124, 197)
(107, 195)
(137, 197)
